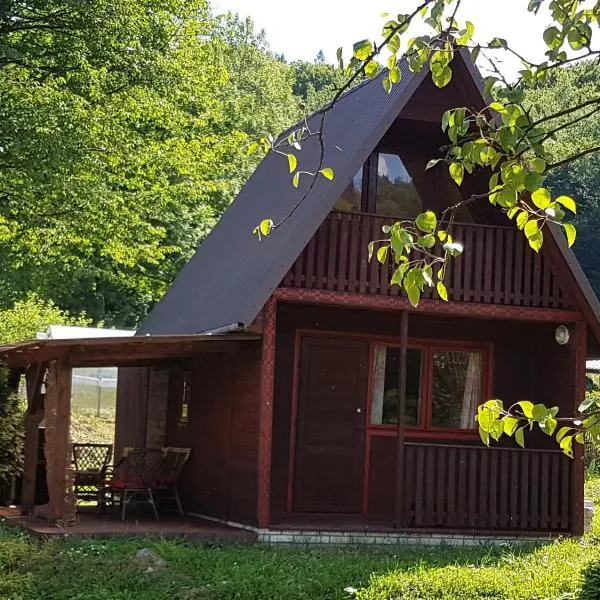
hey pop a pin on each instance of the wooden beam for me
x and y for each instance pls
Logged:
(399, 517)
(426, 306)
(577, 465)
(266, 414)
(34, 377)
(61, 506)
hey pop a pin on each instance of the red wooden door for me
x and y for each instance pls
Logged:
(330, 425)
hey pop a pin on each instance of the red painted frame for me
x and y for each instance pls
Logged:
(385, 430)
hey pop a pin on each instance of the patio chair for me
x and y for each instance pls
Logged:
(171, 466)
(90, 464)
(135, 476)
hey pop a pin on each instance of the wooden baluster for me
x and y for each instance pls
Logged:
(518, 280)
(547, 283)
(508, 266)
(525, 490)
(441, 492)
(309, 276)
(473, 508)
(354, 260)
(332, 254)
(504, 515)
(499, 266)
(484, 487)
(363, 254)
(534, 493)
(492, 499)
(479, 263)
(544, 513)
(419, 478)
(537, 279)
(321, 252)
(555, 499)
(527, 295)
(342, 282)
(514, 489)
(451, 520)
(489, 272)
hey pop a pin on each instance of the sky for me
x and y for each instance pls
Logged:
(298, 30)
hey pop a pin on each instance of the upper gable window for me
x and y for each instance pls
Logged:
(396, 194)
(351, 198)
(383, 186)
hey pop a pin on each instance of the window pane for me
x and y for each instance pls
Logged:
(386, 385)
(396, 195)
(350, 200)
(456, 391)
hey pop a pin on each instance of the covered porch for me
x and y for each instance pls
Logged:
(47, 367)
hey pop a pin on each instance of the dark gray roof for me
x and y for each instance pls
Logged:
(232, 274)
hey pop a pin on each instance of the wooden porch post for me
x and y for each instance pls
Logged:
(57, 415)
(267, 378)
(399, 520)
(577, 466)
(34, 377)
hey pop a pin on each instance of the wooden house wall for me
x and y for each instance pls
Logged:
(131, 409)
(220, 478)
(527, 364)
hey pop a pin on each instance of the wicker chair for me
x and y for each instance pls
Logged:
(171, 466)
(135, 476)
(90, 464)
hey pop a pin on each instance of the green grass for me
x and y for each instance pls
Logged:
(81, 570)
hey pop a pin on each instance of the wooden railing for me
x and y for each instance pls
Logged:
(497, 267)
(473, 487)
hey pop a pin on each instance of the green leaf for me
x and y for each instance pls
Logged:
(442, 291)
(433, 162)
(327, 173)
(362, 49)
(414, 294)
(587, 403)
(395, 74)
(536, 241)
(265, 226)
(371, 248)
(296, 179)
(541, 198)
(442, 77)
(485, 436)
(387, 83)
(570, 232)
(566, 445)
(252, 148)
(522, 219)
(562, 432)
(568, 203)
(498, 107)
(520, 437)
(426, 221)
(539, 412)
(552, 37)
(549, 425)
(531, 228)
(427, 241)
(371, 69)
(457, 172)
(538, 164)
(382, 254)
(292, 162)
(526, 408)
(510, 425)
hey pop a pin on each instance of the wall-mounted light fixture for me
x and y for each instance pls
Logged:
(561, 335)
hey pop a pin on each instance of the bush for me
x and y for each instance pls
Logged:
(590, 587)
(11, 428)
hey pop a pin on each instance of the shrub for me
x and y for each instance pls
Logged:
(11, 428)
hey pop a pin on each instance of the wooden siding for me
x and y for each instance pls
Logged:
(220, 478)
(453, 486)
(513, 489)
(498, 267)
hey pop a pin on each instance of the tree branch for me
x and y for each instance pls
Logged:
(569, 159)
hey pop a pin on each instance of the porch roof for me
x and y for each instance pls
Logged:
(121, 351)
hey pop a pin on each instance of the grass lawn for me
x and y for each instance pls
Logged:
(93, 570)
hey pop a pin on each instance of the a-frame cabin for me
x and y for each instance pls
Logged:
(300, 429)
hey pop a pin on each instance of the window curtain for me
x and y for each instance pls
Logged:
(378, 386)
(472, 393)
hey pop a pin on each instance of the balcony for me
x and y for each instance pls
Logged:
(497, 267)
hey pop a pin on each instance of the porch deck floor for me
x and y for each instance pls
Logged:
(89, 525)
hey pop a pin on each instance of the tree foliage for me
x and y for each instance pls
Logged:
(123, 127)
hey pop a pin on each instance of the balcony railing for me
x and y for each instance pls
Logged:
(497, 267)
